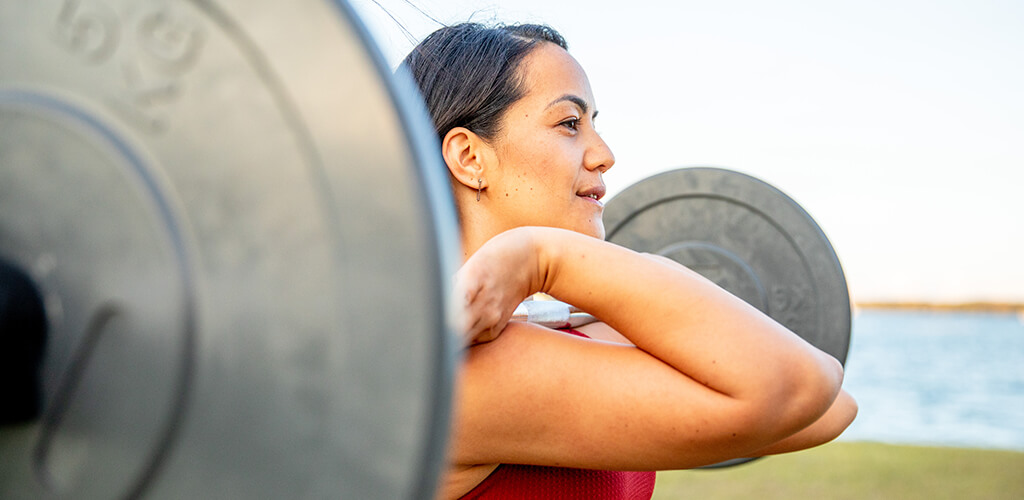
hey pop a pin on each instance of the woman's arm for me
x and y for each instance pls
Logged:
(710, 378)
(838, 417)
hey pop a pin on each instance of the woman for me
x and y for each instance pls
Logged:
(678, 374)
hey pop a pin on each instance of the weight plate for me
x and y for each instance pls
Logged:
(243, 249)
(746, 236)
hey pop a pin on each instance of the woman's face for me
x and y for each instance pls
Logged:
(550, 157)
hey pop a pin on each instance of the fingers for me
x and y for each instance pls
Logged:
(492, 282)
(486, 309)
(485, 321)
(483, 337)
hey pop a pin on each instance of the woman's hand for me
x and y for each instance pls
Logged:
(500, 275)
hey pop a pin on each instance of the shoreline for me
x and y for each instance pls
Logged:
(934, 446)
(988, 307)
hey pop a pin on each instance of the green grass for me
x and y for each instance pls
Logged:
(846, 470)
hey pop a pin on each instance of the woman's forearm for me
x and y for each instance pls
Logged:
(688, 322)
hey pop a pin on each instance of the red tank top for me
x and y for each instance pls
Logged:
(525, 482)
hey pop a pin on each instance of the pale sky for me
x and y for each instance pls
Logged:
(898, 125)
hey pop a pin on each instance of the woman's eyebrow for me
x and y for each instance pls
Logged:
(577, 100)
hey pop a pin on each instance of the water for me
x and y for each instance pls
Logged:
(938, 378)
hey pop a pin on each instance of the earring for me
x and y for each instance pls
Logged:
(479, 187)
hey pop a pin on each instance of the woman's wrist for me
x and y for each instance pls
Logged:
(549, 246)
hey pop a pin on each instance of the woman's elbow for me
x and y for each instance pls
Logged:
(845, 409)
(829, 374)
(831, 425)
(807, 392)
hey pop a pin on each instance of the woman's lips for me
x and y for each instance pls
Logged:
(592, 199)
(593, 194)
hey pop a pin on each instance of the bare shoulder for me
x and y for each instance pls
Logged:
(544, 397)
(493, 396)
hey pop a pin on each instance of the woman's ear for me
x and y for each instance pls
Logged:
(467, 157)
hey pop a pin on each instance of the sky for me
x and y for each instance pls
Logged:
(898, 125)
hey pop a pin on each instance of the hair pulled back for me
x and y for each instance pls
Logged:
(469, 73)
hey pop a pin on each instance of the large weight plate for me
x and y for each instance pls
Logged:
(242, 245)
(746, 236)
(750, 239)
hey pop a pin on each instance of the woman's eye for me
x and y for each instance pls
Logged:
(573, 124)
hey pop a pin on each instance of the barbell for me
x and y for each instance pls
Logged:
(226, 244)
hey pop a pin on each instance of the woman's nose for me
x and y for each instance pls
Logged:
(599, 155)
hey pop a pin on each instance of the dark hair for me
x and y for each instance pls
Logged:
(469, 73)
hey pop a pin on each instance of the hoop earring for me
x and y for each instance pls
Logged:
(479, 187)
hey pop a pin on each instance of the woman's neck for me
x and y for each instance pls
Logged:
(477, 228)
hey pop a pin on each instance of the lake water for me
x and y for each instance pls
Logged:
(937, 378)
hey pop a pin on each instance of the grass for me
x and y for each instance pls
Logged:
(845, 470)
